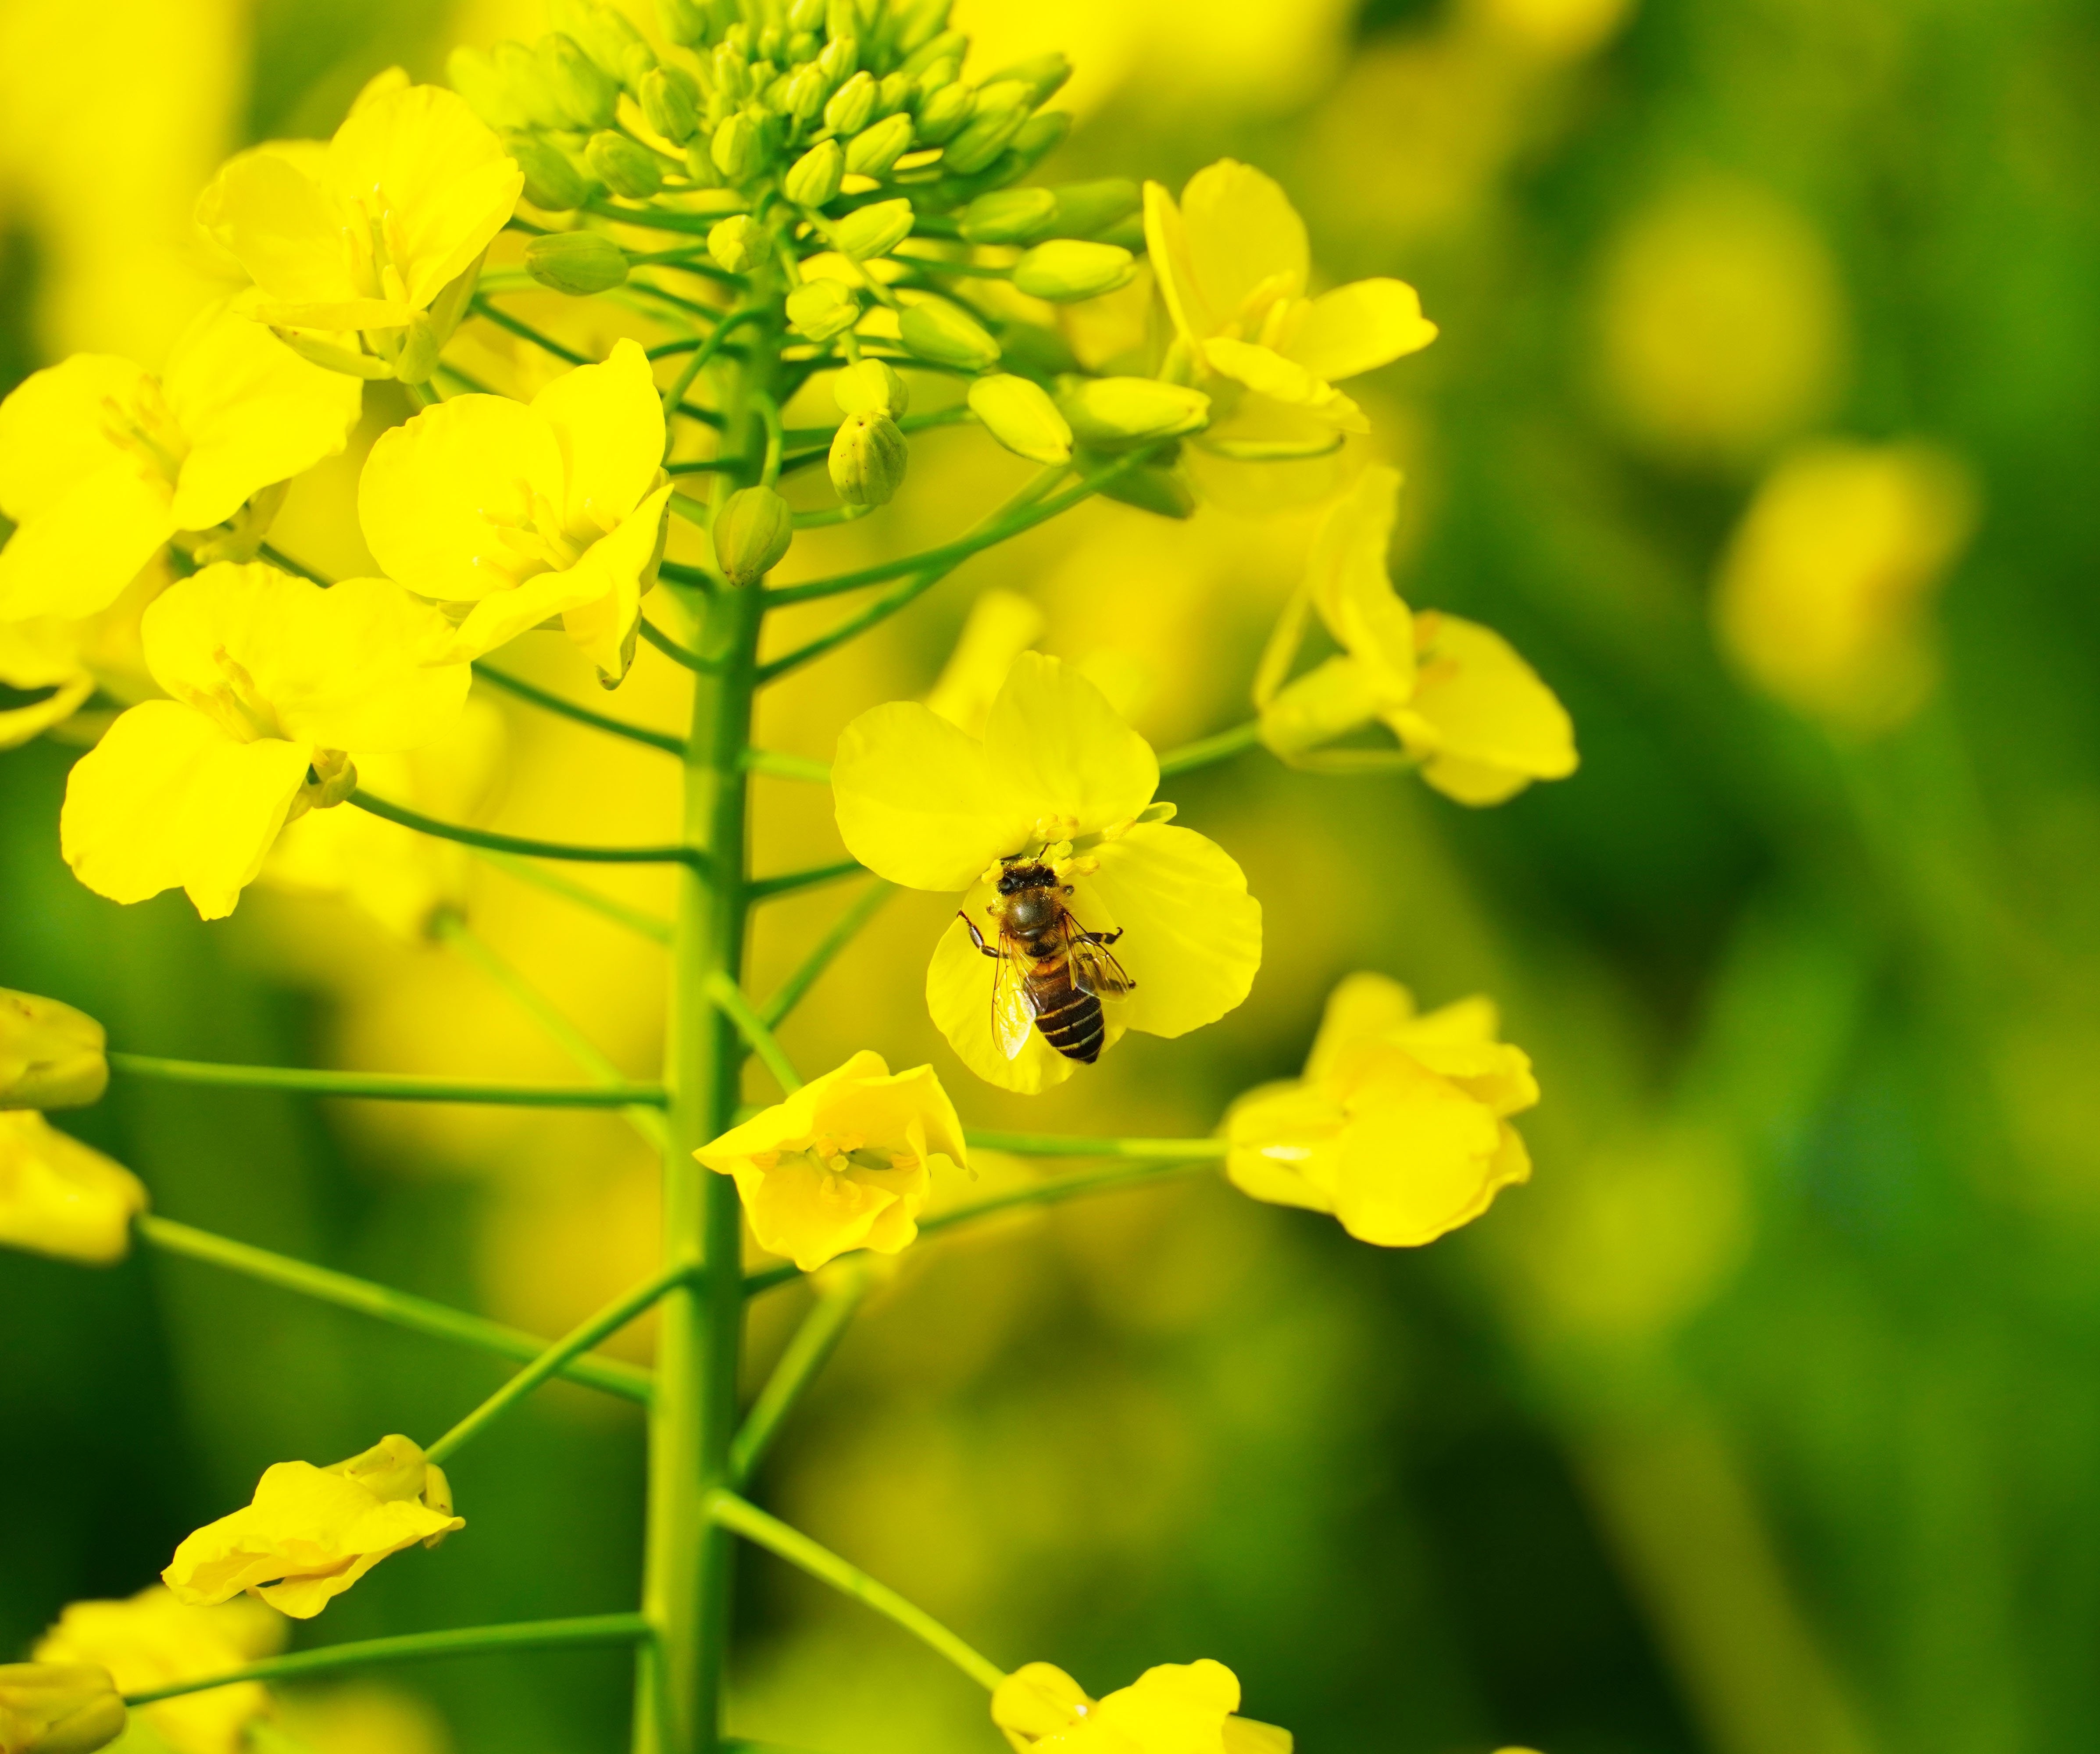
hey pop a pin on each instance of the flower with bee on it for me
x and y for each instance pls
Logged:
(1057, 785)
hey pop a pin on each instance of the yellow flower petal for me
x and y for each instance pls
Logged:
(1329, 701)
(1036, 1700)
(1418, 1159)
(168, 799)
(1269, 374)
(1245, 244)
(915, 802)
(1351, 588)
(1486, 722)
(254, 412)
(1358, 328)
(1175, 1709)
(608, 422)
(1363, 1007)
(1285, 1145)
(78, 554)
(43, 654)
(1192, 934)
(270, 210)
(56, 431)
(58, 1197)
(604, 624)
(1056, 748)
(1002, 625)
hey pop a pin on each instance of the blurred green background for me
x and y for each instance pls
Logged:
(1764, 1421)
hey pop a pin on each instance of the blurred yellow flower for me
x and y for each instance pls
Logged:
(1823, 594)
(58, 1197)
(273, 678)
(1232, 263)
(51, 1054)
(152, 1640)
(379, 229)
(1175, 1709)
(37, 656)
(102, 463)
(1057, 772)
(1559, 30)
(1002, 625)
(1462, 701)
(845, 1162)
(508, 513)
(312, 1532)
(1397, 1127)
(57, 1708)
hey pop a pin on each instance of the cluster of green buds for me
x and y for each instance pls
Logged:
(807, 140)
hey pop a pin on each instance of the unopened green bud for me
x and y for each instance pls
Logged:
(803, 93)
(51, 1054)
(737, 243)
(57, 1708)
(639, 62)
(605, 35)
(734, 148)
(1036, 349)
(1039, 136)
(823, 307)
(1043, 74)
(417, 356)
(1128, 231)
(929, 80)
(919, 22)
(1020, 416)
(1009, 216)
(937, 332)
(894, 93)
(1116, 413)
(683, 21)
(473, 75)
(807, 14)
(813, 179)
(1066, 268)
(1153, 487)
(873, 150)
(875, 231)
(772, 44)
(585, 91)
(579, 263)
(752, 532)
(851, 106)
(841, 18)
(943, 114)
(945, 46)
(732, 70)
(552, 181)
(1087, 210)
(625, 166)
(532, 92)
(803, 46)
(983, 140)
(871, 387)
(840, 57)
(868, 459)
(671, 103)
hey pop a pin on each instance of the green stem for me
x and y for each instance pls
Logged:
(789, 883)
(1205, 750)
(806, 1354)
(791, 1545)
(284, 563)
(844, 931)
(775, 765)
(482, 307)
(737, 1007)
(522, 1635)
(644, 924)
(386, 1086)
(536, 849)
(419, 1315)
(675, 396)
(654, 219)
(574, 1344)
(455, 932)
(696, 662)
(569, 709)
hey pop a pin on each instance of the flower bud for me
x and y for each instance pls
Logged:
(873, 150)
(894, 93)
(983, 139)
(530, 92)
(683, 21)
(579, 263)
(945, 46)
(871, 387)
(625, 166)
(603, 33)
(552, 181)
(584, 90)
(813, 179)
(1067, 269)
(939, 332)
(735, 146)
(918, 22)
(868, 459)
(875, 230)
(838, 60)
(1042, 75)
(473, 75)
(1152, 487)
(1117, 413)
(1087, 210)
(57, 1708)
(1020, 416)
(1009, 216)
(737, 244)
(671, 103)
(752, 532)
(771, 43)
(732, 70)
(807, 14)
(851, 106)
(804, 95)
(415, 357)
(1039, 137)
(942, 115)
(60, 1197)
(841, 18)
(822, 307)
(51, 1054)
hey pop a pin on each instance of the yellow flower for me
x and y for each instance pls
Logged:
(1462, 701)
(51, 1054)
(1397, 1127)
(273, 679)
(508, 512)
(58, 1197)
(379, 231)
(1057, 773)
(57, 1708)
(153, 1641)
(1176, 1708)
(40, 658)
(1823, 594)
(312, 1532)
(1233, 263)
(845, 1162)
(102, 463)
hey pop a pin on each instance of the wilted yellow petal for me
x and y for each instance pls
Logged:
(1358, 328)
(58, 1197)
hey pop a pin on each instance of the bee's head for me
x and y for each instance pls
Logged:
(1026, 873)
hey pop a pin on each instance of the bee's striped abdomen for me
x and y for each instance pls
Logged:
(1070, 1020)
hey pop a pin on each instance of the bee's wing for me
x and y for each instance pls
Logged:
(1095, 968)
(1013, 1012)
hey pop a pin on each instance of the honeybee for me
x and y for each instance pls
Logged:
(1052, 975)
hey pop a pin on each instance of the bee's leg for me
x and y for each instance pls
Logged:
(977, 937)
(1099, 938)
